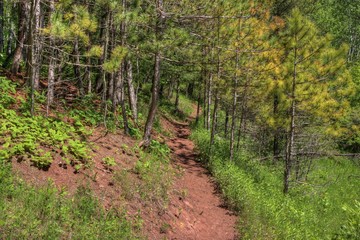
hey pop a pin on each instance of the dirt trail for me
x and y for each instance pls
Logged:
(199, 210)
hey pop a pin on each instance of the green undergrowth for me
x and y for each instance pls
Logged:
(38, 138)
(28, 212)
(325, 207)
(155, 175)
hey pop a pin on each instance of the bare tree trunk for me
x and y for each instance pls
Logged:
(214, 120)
(156, 79)
(52, 67)
(32, 59)
(291, 134)
(103, 74)
(23, 8)
(209, 95)
(118, 97)
(77, 72)
(2, 26)
(198, 107)
(233, 113)
(226, 123)
(131, 89)
(276, 140)
(87, 77)
(177, 95)
(154, 101)
(36, 44)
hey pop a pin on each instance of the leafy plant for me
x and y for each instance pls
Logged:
(109, 162)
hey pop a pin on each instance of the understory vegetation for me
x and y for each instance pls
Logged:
(45, 213)
(326, 206)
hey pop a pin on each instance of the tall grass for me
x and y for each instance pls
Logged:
(323, 208)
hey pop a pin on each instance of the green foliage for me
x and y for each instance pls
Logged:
(44, 213)
(109, 162)
(6, 88)
(34, 138)
(312, 210)
(156, 174)
(351, 230)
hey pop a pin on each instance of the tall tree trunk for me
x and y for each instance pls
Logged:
(52, 61)
(156, 79)
(233, 110)
(118, 97)
(209, 95)
(23, 7)
(2, 26)
(177, 94)
(77, 72)
(198, 107)
(214, 120)
(276, 140)
(291, 133)
(154, 101)
(32, 59)
(36, 45)
(226, 123)
(131, 90)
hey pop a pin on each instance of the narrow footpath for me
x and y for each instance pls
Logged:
(199, 212)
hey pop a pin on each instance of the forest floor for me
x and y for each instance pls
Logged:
(201, 213)
(194, 208)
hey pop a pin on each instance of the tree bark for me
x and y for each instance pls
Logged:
(291, 133)
(23, 7)
(36, 45)
(2, 26)
(52, 67)
(177, 95)
(233, 110)
(156, 78)
(131, 90)
(154, 101)
(276, 140)
(214, 120)
(77, 72)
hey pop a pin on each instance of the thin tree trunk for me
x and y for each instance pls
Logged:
(156, 79)
(198, 107)
(177, 95)
(52, 67)
(119, 97)
(276, 140)
(131, 89)
(77, 73)
(36, 46)
(154, 101)
(226, 123)
(291, 134)
(233, 113)
(103, 74)
(2, 47)
(209, 95)
(31, 59)
(17, 55)
(214, 120)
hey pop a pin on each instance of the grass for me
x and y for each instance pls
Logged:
(325, 207)
(28, 212)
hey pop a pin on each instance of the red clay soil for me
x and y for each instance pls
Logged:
(195, 210)
(198, 213)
